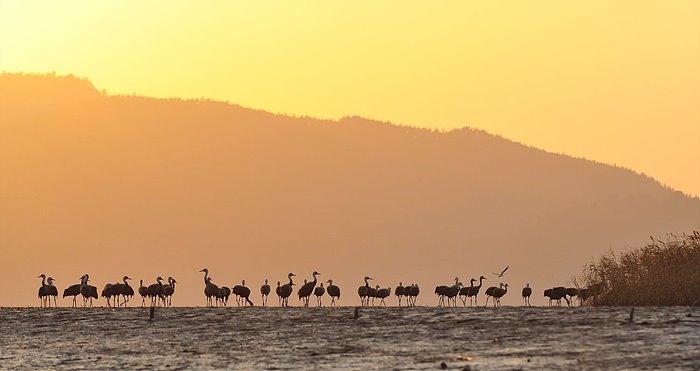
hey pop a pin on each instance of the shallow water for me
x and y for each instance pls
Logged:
(506, 338)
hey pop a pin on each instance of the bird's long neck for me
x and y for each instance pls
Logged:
(290, 280)
(481, 280)
(366, 283)
(43, 281)
(206, 277)
(140, 282)
(314, 279)
(126, 283)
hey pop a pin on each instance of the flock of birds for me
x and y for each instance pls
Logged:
(160, 294)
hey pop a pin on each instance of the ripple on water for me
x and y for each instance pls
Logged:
(382, 338)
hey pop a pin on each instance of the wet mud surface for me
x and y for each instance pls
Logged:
(507, 338)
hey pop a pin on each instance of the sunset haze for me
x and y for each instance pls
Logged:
(412, 142)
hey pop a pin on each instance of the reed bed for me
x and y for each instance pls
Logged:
(664, 272)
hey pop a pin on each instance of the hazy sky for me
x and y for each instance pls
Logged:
(613, 81)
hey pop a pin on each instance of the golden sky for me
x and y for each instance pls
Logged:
(613, 81)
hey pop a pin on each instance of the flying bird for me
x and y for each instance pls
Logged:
(502, 272)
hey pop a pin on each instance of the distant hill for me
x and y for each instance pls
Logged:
(114, 185)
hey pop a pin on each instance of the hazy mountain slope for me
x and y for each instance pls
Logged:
(129, 185)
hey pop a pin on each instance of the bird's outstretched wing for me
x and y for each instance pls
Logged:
(502, 272)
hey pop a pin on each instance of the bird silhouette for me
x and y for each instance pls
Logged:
(307, 289)
(169, 291)
(364, 291)
(383, 294)
(155, 292)
(143, 291)
(210, 289)
(42, 291)
(502, 272)
(527, 291)
(286, 290)
(74, 291)
(51, 291)
(399, 292)
(318, 292)
(265, 291)
(333, 291)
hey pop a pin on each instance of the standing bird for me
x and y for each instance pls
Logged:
(127, 291)
(499, 293)
(168, 291)
(464, 291)
(452, 292)
(412, 293)
(286, 290)
(85, 290)
(42, 291)
(319, 291)
(143, 291)
(556, 293)
(474, 292)
(363, 291)
(50, 291)
(308, 289)
(502, 272)
(440, 292)
(115, 291)
(265, 291)
(93, 293)
(210, 289)
(383, 294)
(372, 293)
(122, 289)
(244, 293)
(527, 291)
(107, 293)
(278, 292)
(571, 292)
(222, 295)
(155, 292)
(333, 291)
(74, 291)
(489, 293)
(399, 292)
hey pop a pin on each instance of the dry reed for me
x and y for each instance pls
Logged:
(664, 272)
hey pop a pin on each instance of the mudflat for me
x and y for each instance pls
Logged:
(505, 338)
